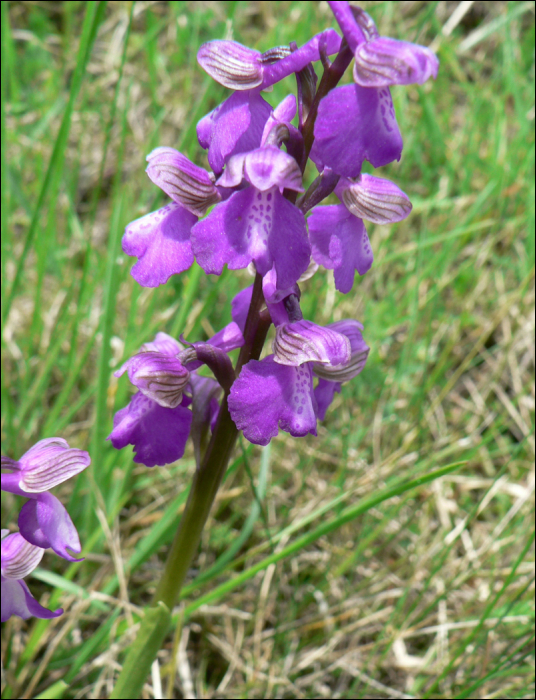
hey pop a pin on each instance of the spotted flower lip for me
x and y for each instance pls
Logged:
(268, 396)
(186, 183)
(304, 341)
(240, 68)
(374, 199)
(340, 243)
(355, 124)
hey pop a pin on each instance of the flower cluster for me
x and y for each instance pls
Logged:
(251, 210)
(43, 520)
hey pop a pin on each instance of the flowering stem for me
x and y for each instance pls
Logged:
(208, 476)
(205, 485)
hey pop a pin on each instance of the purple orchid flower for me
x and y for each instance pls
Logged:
(338, 235)
(158, 419)
(235, 126)
(43, 520)
(357, 122)
(277, 392)
(18, 559)
(256, 223)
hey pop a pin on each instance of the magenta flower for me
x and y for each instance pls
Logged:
(158, 419)
(43, 520)
(20, 558)
(256, 223)
(277, 392)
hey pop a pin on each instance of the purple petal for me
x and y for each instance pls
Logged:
(346, 21)
(158, 434)
(356, 124)
(231, 64)
(19, 557)
(267, 396)
(161, 241)
(235, 127)
(374, 199)
(44, 522)
(340, 243)
(240, 307)
(273, 295)
(158, 376)
(229, 338)
(383, 62)
(264, 168)
(163, 343)
(284, 113)
(17, 600)
(328, 40)
(186, 183)
(251, 225)
(324, 394)
(352, 329)
(304, 341)
(48, 463)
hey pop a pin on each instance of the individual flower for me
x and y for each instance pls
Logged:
(338, 235)
(357, 122)
(43, 520)
(158, 419)
(18, 559)
(256, 223)
(381, 61)
(277, 392)
(161, 240)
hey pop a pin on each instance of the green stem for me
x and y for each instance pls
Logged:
(205, 485)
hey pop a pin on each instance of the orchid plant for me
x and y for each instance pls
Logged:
(251, 210)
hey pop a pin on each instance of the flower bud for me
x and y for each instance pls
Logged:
(160, 377)
(383, 62)
(304, 341)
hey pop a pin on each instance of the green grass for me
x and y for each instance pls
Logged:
(391, 556)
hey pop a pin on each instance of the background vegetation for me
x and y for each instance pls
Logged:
(320, 575)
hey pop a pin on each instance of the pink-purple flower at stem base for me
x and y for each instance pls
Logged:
(158, 419)
(43, 520)
(18, 559)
